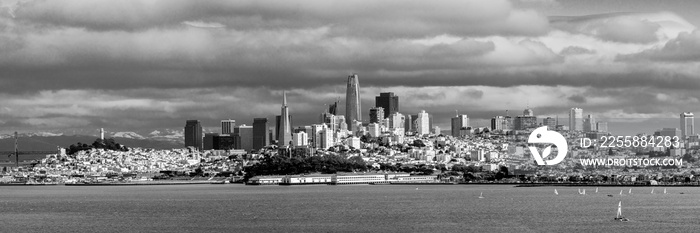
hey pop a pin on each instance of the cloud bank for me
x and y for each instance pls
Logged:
(155, 63)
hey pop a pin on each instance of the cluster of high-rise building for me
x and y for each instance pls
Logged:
(528, 120)
(384, 121)
(331, 129)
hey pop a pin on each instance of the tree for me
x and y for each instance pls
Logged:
(418, 143)
(504, 170)
(689, 158)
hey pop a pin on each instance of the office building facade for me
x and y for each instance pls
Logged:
(388, 101)
(687, 124)
(576, 119)
(193, 134)
(459, 122)
(260, 136)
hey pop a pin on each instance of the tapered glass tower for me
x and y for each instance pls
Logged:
(352, 102)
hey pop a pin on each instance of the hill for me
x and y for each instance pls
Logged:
(50, 143)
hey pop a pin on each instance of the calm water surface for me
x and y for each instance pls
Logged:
(387, 208)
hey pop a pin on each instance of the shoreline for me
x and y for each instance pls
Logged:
(516, 185)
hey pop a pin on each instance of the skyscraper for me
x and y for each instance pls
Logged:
(227, 126)
(459, 122)
(524, 122)
(504, 123)
(423, 123)
(687, 124)
(601, 127)
(333, 108)
(193, 134)
(551, 123)
(352, 102)
(243, 137)
(278, 124)
(284, 134)
(589, 124)
(300, 139)
(260, 135)
(388, 101)
(397, 120)
(376, 114)
(576, 119)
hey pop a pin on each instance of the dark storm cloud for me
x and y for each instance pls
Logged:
(154, 63)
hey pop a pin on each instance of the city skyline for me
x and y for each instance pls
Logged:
(70, 72)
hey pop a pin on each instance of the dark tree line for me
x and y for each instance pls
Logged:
(283, 165)
(107, 144)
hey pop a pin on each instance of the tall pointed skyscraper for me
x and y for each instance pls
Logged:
(352, 102)
(285, 129)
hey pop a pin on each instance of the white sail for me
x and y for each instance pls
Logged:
(481, 195)
(619, 210)
(652, 191)
(664, 190)
(579, 191)
(555, 192)
(584, 192)
(620, 192)
(630, 191)
(596, 189)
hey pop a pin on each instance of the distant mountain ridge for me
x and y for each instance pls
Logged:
(33, 142)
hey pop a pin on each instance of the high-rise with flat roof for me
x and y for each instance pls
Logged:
(193, 134)
(260, 135)
(504, 123)
(423, 123)
(576, 119)
(352, 102)
(601, 127)
(243, 136)
(388, 101)
(459, 122)
(589, 124)
(397, 120)
(551, 123)
(227, 126)
(376, 114)
(687, 124)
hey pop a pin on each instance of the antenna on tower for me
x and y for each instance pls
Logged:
(456, 112)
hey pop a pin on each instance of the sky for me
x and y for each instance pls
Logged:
(75, 65)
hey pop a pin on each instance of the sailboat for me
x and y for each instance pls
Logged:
(664, 190)
(652, 191)
(555, 192)
(584, 192)
(579, 191)
(630, 192)
(481, 195)
(619, 213)
(620, 192)
(596, 189)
